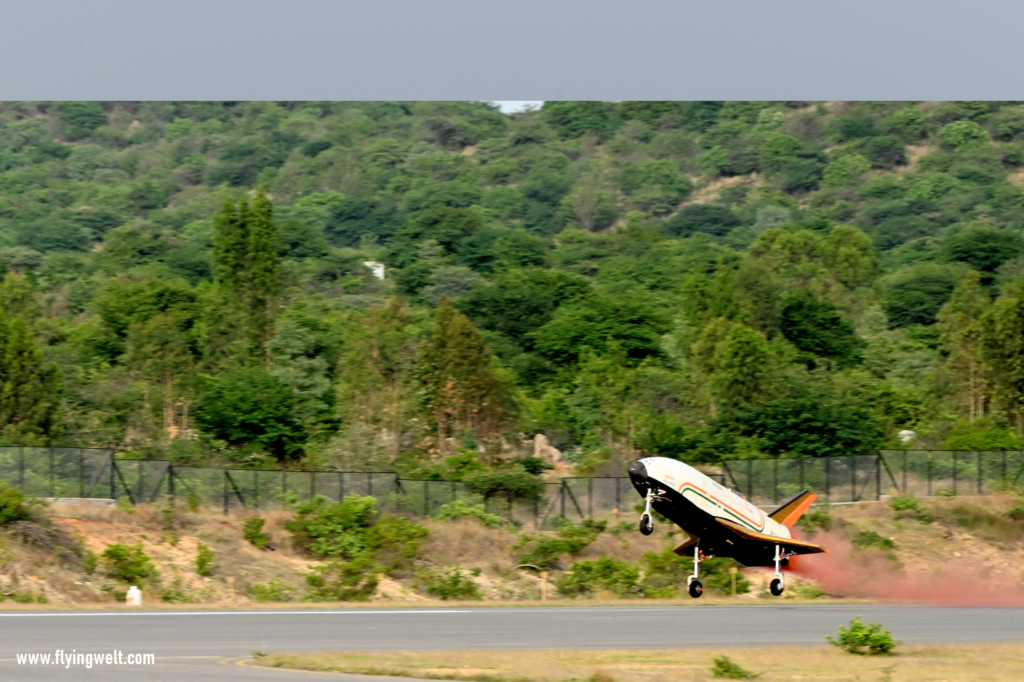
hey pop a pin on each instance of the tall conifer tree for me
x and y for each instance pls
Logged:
(30, 391)
(247, 265)
(461, 390)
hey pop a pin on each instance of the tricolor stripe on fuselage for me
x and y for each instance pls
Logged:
(723, 506)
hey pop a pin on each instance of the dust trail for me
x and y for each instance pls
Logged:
(870, 574)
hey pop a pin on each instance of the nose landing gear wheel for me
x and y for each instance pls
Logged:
(646, 526)
(695, 589)
(776, 587)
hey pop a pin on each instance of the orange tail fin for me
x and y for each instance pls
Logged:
(790, 512)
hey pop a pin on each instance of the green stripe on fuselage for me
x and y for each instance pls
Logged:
(741, 519)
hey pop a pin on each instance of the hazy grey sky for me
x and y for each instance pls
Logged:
(513, 107)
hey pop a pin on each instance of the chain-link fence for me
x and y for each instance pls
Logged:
(91, 473)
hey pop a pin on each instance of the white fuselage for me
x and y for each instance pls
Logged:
(710, 497)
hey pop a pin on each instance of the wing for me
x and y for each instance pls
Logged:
(797, 546)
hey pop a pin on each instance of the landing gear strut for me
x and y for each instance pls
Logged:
(693, 585)
(646, 521)
(778, 583)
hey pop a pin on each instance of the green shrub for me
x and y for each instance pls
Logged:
(395, 541)
(89, 562)
(869, 538)
(336, 530)
(452, 584)
(12, 505)
(988, 524)
(342, 581)
(863, 639)
(252, 531)
(665, 573)
(176, 594)
(814, 520)
(460, 509)
(725, 668)
(907, 503)
(204, 561)
(127, 564)
(613, 575)
(275, 590)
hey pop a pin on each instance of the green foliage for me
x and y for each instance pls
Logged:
(451, 584)
(343, 581)
(862, 639)
(513, 482)
(275, 590)
(204, 561)
(666, 574)
(815, 327)
(254, 410)
(252, 531)
(814, 520)
(90, 562)
(725, 668)
(621, 578)
(336, 529)
(127, 564)
(460, 509)
(12, 505)
(869, 538)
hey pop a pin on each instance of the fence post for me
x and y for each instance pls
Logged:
(775, 481)
(853, 479)
(828, 479)
(928, 473)
(590, 497)
(426, 499)
(750, 480)
(618, 501)
(561, 498)
(955, 461)
(802, 473)
(977, 454)
(170, 484)
(256, 490)
(878, 478)
(53, 489)
(904, 472)
(21, 468)
(312, 485)
(113, 481)
(225, 493)
(341, 486)
(81, 474)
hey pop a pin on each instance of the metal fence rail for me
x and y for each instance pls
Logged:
(84, 472)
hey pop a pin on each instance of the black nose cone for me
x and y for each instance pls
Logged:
(638, 472)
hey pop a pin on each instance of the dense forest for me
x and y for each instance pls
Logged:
(699, 280)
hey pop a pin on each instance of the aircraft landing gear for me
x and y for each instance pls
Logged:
(693, 585)
(778, 584)
(646, 521)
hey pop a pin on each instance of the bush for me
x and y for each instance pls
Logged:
(452, 584)
(12, 505)
(127, 564)
(863, 639)
(815, 520)
(252, 531)
(336, 530)
(204, 561)
(343, 581)
(275, 590)
(460, 509)
(612, 575)
(395, 541)
(725, 668)
(665, 573)
(544, 551)
(869, 538)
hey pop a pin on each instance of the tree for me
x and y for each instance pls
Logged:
(983, 249)
(960, 321)
(252, 410)
(162, 352)
(815, 327)
(460, 390)
(30, 391)
(917, 295)
(742, 371)
(1002, 340)
(246, 263)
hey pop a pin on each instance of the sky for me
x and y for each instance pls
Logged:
(513, 107)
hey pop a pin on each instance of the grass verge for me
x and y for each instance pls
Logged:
(982, 662)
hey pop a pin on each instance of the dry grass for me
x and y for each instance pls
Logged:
(981, 662)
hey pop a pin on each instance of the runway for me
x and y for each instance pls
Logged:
(204, 645)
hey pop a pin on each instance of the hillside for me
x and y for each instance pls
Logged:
(959, 551)
(696, 280)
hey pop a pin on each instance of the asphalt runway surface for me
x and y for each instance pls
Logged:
(201, 646)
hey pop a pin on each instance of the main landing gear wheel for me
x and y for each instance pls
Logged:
(695, 589)
(646, 525)
(776, 587)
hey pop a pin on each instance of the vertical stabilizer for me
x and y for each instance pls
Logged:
(791, 511)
